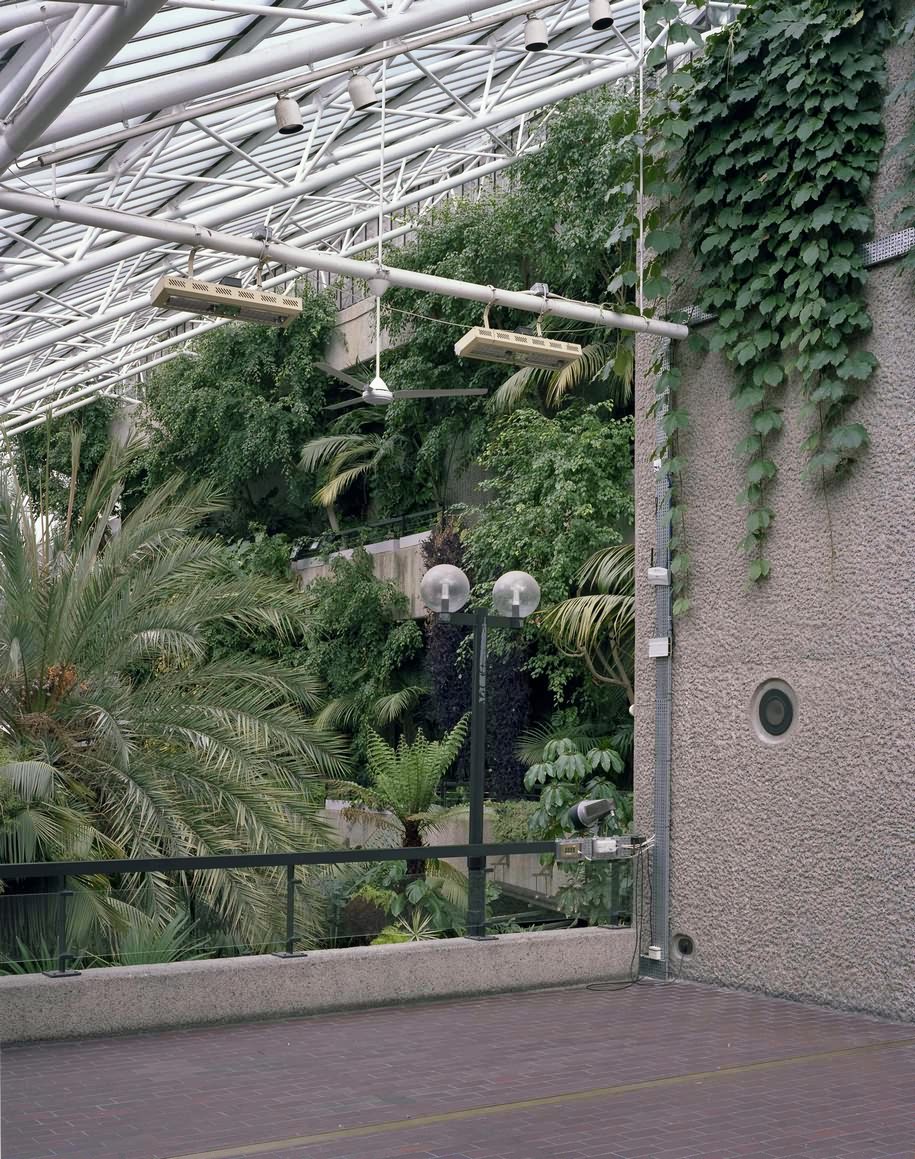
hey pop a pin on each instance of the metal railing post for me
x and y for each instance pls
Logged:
(290, 951)
(63, 954)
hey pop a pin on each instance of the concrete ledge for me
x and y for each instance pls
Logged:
(129, 998)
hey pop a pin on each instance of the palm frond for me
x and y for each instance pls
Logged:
(396, 705)
(515, 389)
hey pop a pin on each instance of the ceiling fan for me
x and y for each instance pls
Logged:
(377, 392)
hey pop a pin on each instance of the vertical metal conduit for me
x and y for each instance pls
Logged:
(660, 872)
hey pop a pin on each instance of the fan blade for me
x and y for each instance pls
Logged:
(437, 393)
(342, 376)
(341, 405)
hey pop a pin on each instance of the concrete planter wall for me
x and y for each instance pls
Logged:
(131, 998)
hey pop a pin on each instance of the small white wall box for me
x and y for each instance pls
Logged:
(209, 298)
(659, 576)
(659, 646)
(516, 349)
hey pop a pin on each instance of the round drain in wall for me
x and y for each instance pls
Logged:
(773, 711)
(682, 946)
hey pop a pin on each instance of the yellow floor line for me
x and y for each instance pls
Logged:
(244, 1152)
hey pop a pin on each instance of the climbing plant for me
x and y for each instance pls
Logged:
(774, 135)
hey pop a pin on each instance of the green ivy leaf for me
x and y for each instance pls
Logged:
(850, 437)
(767, 421)
(760, 470)
(758, 570)
(662, 241)
(681, 606)
(759, 520)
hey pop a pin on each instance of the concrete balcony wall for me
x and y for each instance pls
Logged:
(398, 560)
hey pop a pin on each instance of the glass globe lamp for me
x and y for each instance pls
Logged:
(516, 594)
(444, 588)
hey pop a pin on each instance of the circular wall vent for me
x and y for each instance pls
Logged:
(773, 711)
(681, 947)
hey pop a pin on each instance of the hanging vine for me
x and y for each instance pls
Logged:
(775, 135)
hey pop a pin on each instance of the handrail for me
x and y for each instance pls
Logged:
(112, 867)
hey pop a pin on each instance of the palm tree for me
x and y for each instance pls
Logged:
(598, 626)
(125, 735)
(609, 362)
(404, 784)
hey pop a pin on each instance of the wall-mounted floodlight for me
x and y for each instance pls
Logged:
(444, 588)
(377, 282)
(288, 115)
(361, 91)
(516, 594)
(536, 38)
(600, 15)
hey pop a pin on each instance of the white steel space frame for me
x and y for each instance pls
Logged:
(135, 131)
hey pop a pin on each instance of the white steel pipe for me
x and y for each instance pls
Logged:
(30, 397)
(198, 237)
(22, 15)
(190, 84)
(12, 354)
(71, 75)
(366, 162)
(234, 100)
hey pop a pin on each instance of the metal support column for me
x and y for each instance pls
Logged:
(476, 866)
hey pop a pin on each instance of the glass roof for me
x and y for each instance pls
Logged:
(179, 125)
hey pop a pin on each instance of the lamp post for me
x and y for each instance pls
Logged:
(445, 589)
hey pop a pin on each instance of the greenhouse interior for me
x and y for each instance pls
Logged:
(456, 579)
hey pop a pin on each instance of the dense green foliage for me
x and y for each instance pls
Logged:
(362, 649)
(43, 457)
(238, 412)
(125, 735)
(573, 769)
(776, 132)
(559, 489)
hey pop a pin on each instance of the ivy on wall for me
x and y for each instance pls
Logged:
(774, 135)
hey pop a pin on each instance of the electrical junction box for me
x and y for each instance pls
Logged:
(658, 647)
(597, 848)
(654, 952)
(213, 298)
(659, 577)
(516, 349)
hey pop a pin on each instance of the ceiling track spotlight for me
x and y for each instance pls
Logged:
(361, 91)
(600, 15)
(536, 38)
(288, 115)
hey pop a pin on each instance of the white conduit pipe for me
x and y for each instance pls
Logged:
(256, 203)
(12, 354)
(193, 83)
(197, 237)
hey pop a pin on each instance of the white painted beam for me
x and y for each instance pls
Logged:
(198, 237)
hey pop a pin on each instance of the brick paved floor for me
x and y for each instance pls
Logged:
(652, 1072)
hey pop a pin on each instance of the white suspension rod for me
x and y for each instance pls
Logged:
(22, 15)
(198, 237)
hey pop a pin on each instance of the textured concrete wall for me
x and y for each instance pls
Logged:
(127, 998)
(793, 866)
(399, 561)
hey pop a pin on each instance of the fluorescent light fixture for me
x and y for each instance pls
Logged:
(210, 298)
(516, 349)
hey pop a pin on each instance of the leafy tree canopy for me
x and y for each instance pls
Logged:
(238, 413)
